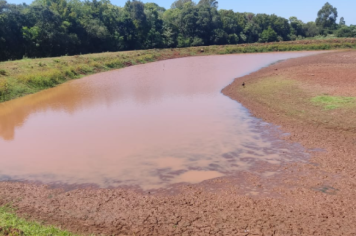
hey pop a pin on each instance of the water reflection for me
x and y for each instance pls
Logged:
(148, 125)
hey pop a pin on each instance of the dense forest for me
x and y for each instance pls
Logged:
(49, 28)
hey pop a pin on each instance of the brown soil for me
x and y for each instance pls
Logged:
(314, 198)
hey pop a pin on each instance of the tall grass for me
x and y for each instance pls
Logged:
(43, 79)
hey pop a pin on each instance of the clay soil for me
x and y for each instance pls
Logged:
(304, 198)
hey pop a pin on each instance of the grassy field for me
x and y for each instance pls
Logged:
(12, 225)
(26, 76)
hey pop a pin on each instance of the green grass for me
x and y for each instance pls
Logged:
(333, 102)
(26, 76)
(10, 224)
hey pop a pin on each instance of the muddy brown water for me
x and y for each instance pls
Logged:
(148, 126)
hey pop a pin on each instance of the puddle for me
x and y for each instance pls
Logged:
(149, 126)
(196, 176)
(326, 189)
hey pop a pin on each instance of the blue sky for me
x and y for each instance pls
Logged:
(305, 10)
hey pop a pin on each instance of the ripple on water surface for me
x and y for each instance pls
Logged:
(149, 125)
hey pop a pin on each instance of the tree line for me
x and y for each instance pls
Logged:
(48, 28)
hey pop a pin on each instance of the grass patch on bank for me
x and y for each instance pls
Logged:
(333, 102)
(272, 90)
(27, 76)
(290, 98)
(10, 224)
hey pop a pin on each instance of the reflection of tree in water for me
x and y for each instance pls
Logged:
(68, 97)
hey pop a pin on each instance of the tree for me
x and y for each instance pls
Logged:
(269, 35)
(345, 31)
(48, 28)
(327, 16)
(281, 26)
(209, 3)
(251, 32)
(311, 30)
(155, 23)
(136, 9)
(11, 23)
(296, 26)
(233, 24)
(180, 4)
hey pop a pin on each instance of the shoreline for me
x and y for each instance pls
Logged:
(306, 198)
(22, 77)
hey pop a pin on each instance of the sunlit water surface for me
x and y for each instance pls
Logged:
(149, 126)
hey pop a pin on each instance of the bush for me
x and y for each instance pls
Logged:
(114, 63)
(3, 72)
(269, 35)
(292, 37)
(197, 42)
(345, 31)
(69, 73)
(83, 69)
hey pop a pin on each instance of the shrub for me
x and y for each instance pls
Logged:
(94, 64)
(114, 63)
(83, 69)
(69, 73)
(145, 58)
(3, 72)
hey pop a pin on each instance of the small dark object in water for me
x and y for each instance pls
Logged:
(243, 84)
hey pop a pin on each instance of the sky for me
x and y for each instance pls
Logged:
(305, 10)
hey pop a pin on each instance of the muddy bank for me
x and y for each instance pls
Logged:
(290, 105)
(193, 211)
(283, 94)
(311, 198)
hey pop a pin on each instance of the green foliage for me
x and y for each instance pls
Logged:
(296, 26)
(53, 28)
(197, 42)
(179, 4)
(345, 31)
(311, 29)
(327, 16)
(333, 102)
(9, 222)
(269, 35)
(209, 3)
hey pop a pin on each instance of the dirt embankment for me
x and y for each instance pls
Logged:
(314, 198)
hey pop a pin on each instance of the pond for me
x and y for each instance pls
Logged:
(147, 126)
